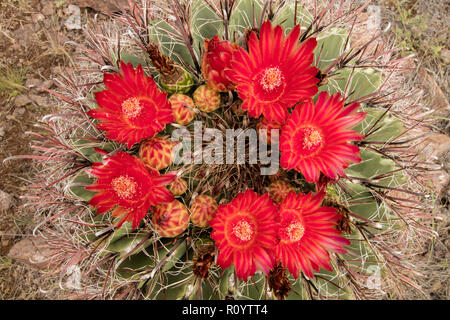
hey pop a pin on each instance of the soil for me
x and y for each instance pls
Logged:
(36, 45)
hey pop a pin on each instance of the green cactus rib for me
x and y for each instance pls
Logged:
(126, 57)
(245, 16)
(286, 15)
(77, 184)
(330, 45)
(86, 148)
(205, 23)
(170, 42)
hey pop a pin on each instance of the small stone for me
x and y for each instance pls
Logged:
(445, 55)
(25, 35)
(106, 7)
(36, 17)
(6, 201)
(74, 20)
(437, 99)
(56, 70)
(22, 100)
(439, 181)
(37, 85)
(39, 100)
(31, 251)
(2, 133)
(47, 8)
(10, 234)
(19, 111)
(32, 83)
(436, 286)
(47, 84)
(15, 46)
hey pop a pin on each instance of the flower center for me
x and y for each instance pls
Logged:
(292, 229)
(309, 140)
(271, 79)
(243, 230)
(295, 231)
(125, 187)
(131, 107)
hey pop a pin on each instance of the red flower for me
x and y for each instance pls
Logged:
(217, 57)
(245, 233)
(275, 74)
(307, 234)
(125, 184)
(316, 138)
(132, 108)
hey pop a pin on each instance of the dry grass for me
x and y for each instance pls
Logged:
(28, 50)
(12, 81)
(421, 29)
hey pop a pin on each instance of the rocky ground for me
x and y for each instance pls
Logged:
(37, 40)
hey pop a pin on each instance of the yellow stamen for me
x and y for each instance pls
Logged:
(131, 107)
(124, 186)
(271, 79)
(295, 231)
(312, 138)
(243, 230)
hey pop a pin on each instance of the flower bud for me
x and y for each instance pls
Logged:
(170, 219)
(202, 210)
(206, 99)
(217, 57)
(178, 187)
(157, 153)
(278, 190)
(182, 108)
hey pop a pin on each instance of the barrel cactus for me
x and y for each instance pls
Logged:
(331, 220)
